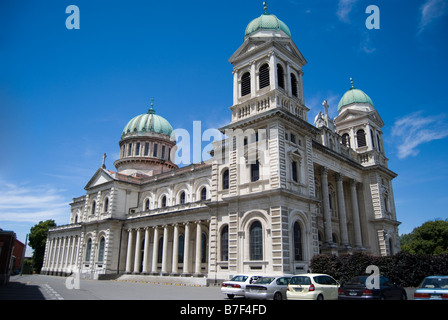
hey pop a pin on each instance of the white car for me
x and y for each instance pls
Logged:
(237, 285)
(312, 286)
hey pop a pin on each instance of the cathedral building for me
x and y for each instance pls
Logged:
(277, 191)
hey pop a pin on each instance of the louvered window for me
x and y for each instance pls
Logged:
(264, 76)
(280, 76)
(361, 137)
(293, 85)
(245, 84)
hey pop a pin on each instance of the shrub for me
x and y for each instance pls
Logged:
(404, 268)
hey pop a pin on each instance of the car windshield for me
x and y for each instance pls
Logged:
(360, 280)
(264, 280)
(239, 278)
(300, 281)
(435, 283)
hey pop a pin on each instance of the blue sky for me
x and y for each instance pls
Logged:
(66, 95)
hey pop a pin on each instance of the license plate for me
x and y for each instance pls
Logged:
(435, 296)
(298, 289)
(353, 293)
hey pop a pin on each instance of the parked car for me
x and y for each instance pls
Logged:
(237, 285)
(356, 289)
(312, 286)
(432, 288)
(268, 288)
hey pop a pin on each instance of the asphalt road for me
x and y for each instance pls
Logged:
(40, 287)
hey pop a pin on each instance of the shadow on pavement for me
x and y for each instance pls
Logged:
(20, 291)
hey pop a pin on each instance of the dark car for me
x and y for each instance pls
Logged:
(356, 289)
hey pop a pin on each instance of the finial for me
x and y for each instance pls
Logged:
(104, 159)
(151, 110)
(265, 6)
(351, 81)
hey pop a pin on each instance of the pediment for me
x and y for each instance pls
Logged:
(100, 177)
(252, 47)
(352, 115)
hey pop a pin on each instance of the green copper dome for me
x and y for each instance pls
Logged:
(148, 122)
(267, 22)
(354, 96)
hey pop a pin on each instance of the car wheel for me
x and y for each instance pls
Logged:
(230, 296)
(320, 297)
(278, 296)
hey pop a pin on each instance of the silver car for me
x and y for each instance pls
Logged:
(433, 288)
(268, 288)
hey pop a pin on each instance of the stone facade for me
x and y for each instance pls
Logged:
(276, 192)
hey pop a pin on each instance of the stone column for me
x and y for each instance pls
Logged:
(253, 79)
(175, 259)
(165, 250)
(326, 206)
(58, 250)
(341, 208)
(61, 266)
(146, 252)
(155, 251)
(138, 254)
(186, 270)
(129, 251)
(273, 70)
(198, 248)
(356, 221)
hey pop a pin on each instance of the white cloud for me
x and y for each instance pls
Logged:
(24, 203)
(415, 129)
(344, 8)
(430, 11)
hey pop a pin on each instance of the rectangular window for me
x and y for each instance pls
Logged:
(255, 171)
(146, 148)
(293, 138)
(137, 149)
(130, 149)
(294, 171)
(154, 154)
(163, 152)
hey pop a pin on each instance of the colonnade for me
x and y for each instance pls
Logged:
(170, 249)
(328, 228)
(61, 255)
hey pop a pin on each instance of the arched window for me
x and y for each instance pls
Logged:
(263, 78)
(147, 204)
(379, 143)
(88, 249)
(294, 90)
(245, 84)
(180, 251)
(256, 241)
(361, 138)
(182, 197)
(280, 76)
(203, 248)
(225, 179)
(255, 171)
(346, 140)
(298, 250)
(225, 244)
(106, 204)
(204, 193)
(163, 202)
(101, 250)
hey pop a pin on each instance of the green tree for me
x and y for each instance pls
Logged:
(37, 240)
(430, 238)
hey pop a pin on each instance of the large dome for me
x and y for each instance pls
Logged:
(354, 96)
(267, 22)
(148, 122)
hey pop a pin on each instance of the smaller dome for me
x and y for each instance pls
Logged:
(354, 96)
(148, 122)
(267, 22)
